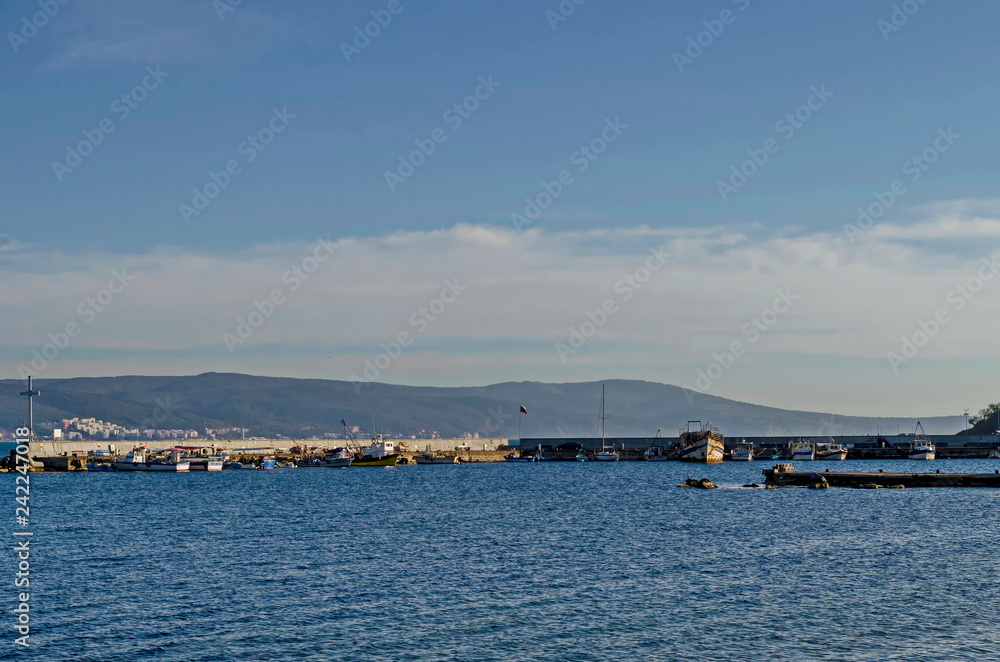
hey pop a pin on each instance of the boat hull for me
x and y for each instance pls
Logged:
(387, 461)
(923, 455)
(205, 465)
(152, 466)
(605, 457)
(705, 450)
(832, 455)
(335, 463)
(436, 460)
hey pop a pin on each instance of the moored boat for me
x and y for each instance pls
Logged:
(921, 447)
(336, 458)
(606, 454)
(743, 452)
(830, 451)
(802, 451)
(138, 460)
(704, 443)
(429, 457)
(381, 453)
(656, 454)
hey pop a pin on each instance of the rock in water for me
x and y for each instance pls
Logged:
(704, 484)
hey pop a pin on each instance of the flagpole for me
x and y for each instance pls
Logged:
(519, 415)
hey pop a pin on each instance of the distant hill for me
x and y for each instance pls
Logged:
(304, 407)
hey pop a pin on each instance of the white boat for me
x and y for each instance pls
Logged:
(205, 464)
(432, 458)
(607, 453)
(802, 451)
(743, 452)
(921, 447)
(338, 457)
(702, 444)
(137, 460)
(830, 451)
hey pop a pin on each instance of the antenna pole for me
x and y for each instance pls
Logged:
(31, 393)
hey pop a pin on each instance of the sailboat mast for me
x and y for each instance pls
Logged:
(602, 416)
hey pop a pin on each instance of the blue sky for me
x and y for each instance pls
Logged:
(657, 184)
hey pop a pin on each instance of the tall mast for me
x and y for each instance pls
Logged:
(31, 393)
(602, 416)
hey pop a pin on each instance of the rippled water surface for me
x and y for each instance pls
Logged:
(548, 561)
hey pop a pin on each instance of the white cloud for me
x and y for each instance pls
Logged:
(140, 32)
(524, 293)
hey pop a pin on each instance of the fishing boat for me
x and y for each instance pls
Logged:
(381, 453)
(743, 452)
(830, 451)
(607, 453)
(138, 460)
(704, 443)
(432, 458)
(336, 458)
(921, 447)
(657, 452)
(802, 451)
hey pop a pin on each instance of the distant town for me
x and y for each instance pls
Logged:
(94, 429)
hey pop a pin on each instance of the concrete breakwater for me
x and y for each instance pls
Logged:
(73, 455)
(784, 475)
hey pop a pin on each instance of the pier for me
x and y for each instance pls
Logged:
(784, 475)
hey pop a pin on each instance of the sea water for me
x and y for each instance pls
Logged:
(546, 561)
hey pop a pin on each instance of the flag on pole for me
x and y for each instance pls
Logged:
(523, 410)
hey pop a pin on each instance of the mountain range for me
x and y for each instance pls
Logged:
(300, 408)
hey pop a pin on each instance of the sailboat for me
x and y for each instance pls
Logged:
(605, 454)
